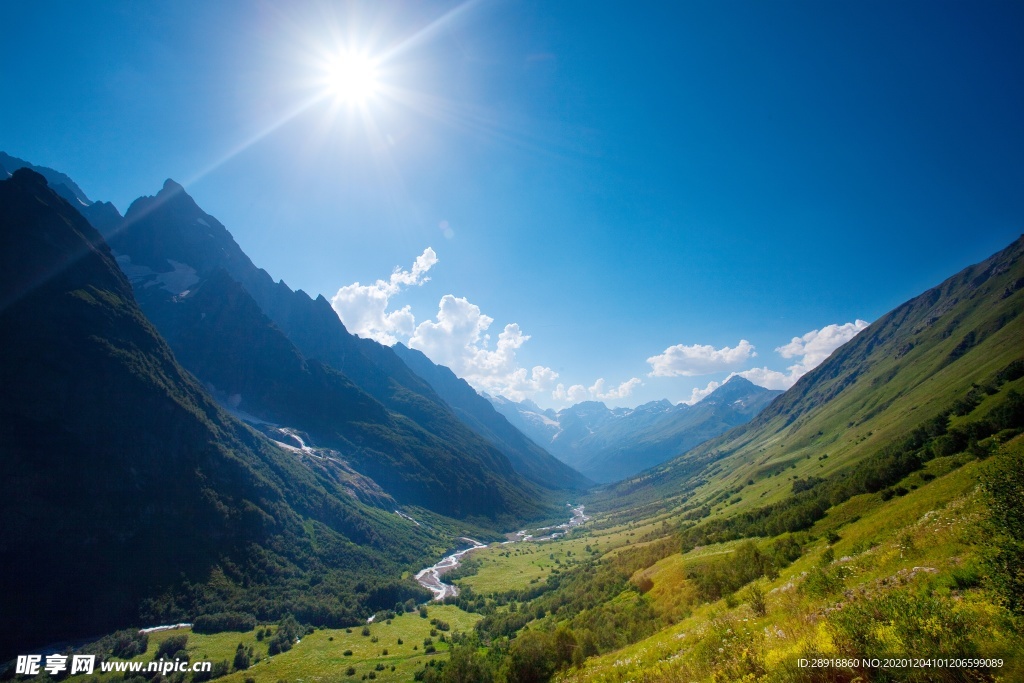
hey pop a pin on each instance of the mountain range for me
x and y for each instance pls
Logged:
(280, 356)
(127, 492)
(611, 444)
(182, 436)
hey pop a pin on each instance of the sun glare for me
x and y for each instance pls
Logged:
(352, 77)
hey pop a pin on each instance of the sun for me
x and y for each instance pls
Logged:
(352, 77)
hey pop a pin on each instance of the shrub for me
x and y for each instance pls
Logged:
(224, 621)
(1003, 487)
(242, 658)
(756, 600)
(902, 623)
(287, 633)
(124, 644)
(171, 647)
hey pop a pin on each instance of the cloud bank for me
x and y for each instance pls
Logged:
(811, 350)
(598, 391)
(459, 340)
(363, 308)
(697, 359)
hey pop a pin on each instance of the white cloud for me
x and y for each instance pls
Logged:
(574, 394)
(771, 379)
(817, 345)
(596, 392)
(363, 308)
(622, 391)
(698, 359)
(699, 394)
(459, 340)
(811, 349)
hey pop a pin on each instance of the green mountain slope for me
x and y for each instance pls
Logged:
(872, 511)
(127, 494)
(898, 374)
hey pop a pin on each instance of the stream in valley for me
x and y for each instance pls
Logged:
(430, 578)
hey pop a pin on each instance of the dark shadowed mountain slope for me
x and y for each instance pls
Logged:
(417, 450)
(608, 445)
(127, 494)
(219, 333)
(103, 216)
(906, 370)
(526, 457)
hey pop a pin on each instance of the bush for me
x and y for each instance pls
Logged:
(756, 600)
(223, 621)
(1003, 487)
(721, 576)
(124, 644)
(242, 658)
(287, 633)
(918, 625)
(170, 647)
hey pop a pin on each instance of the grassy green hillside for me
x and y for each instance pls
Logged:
(902, 371)
(874, 510)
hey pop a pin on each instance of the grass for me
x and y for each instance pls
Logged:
(911, 558)
(320, 656)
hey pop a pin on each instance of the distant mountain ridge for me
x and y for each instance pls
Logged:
(413, 445)
(611, 444)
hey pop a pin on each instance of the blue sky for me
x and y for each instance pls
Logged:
(652, 193)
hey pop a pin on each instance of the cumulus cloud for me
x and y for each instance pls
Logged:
(772, 379)
(625, 389)
(817, 345)
(698, 359)
(459, 340)
(598, 391)
(363, 308)
(811, 350)
(574, 394)
(699, 394)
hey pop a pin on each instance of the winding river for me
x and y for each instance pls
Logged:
(430, 578)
